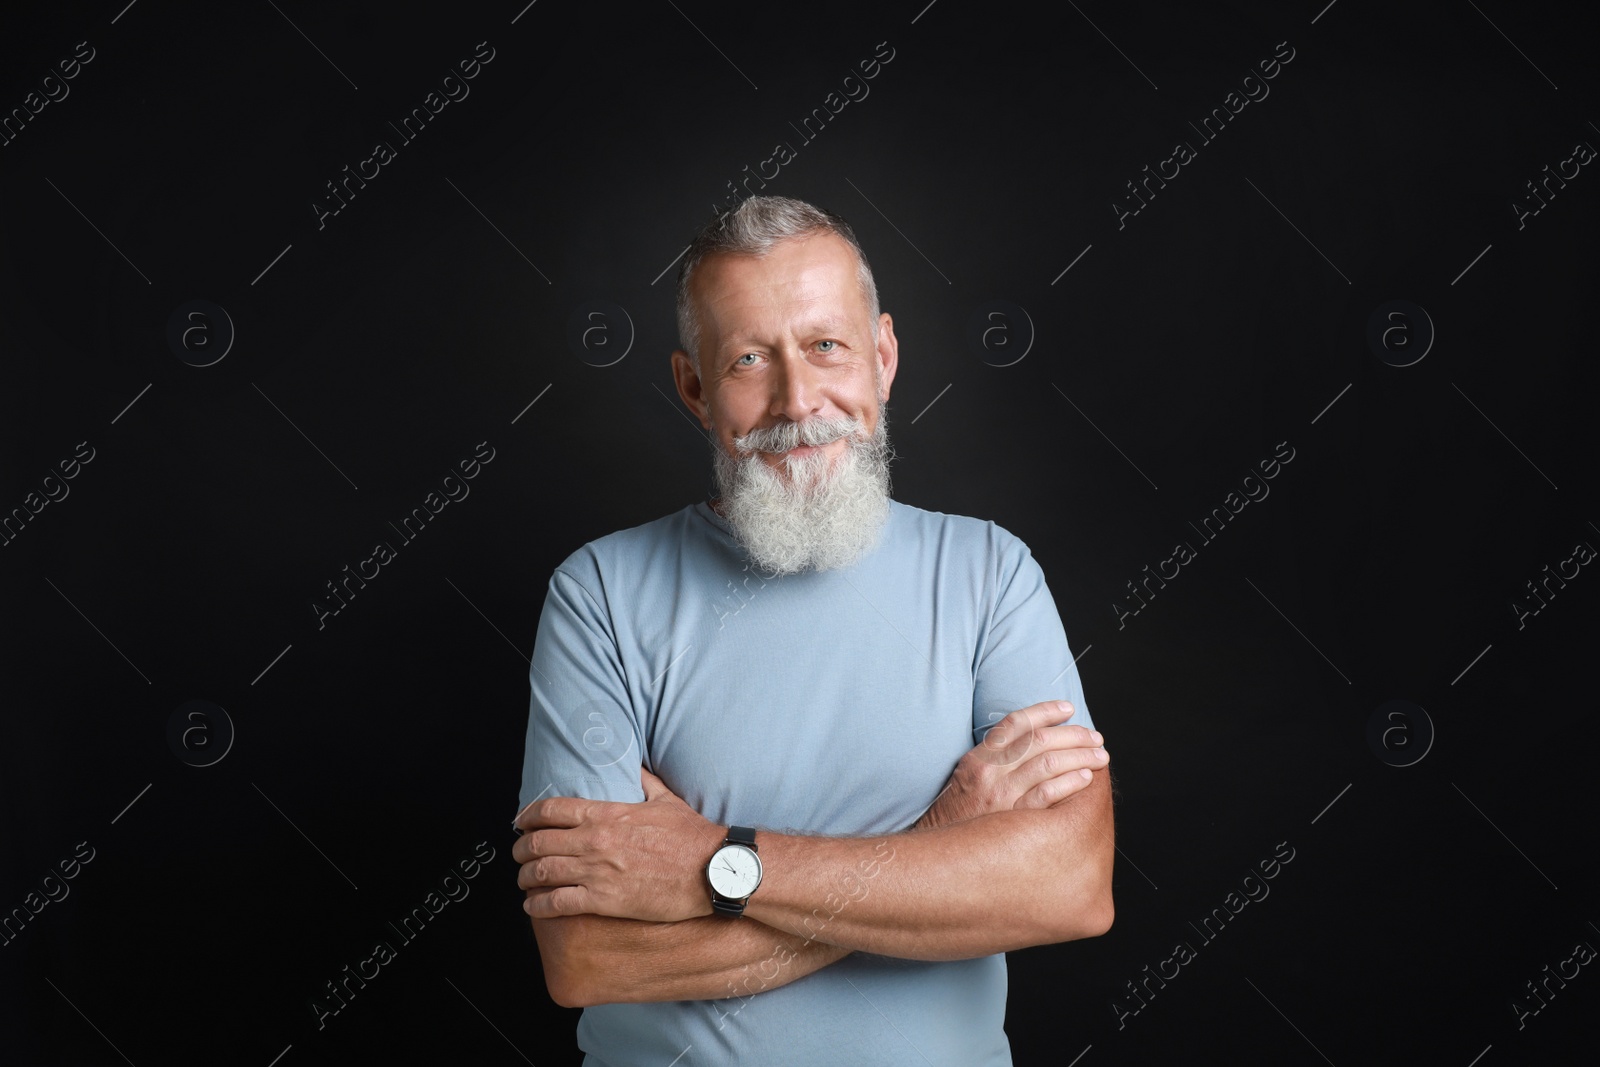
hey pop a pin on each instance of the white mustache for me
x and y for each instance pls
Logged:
(788, 435)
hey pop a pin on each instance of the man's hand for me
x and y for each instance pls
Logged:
(1026, 760)
(629, 861)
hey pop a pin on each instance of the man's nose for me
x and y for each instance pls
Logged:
(796, 389)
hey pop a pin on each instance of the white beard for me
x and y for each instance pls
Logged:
(814, 517)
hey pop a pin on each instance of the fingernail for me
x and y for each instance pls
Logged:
(1094, 735)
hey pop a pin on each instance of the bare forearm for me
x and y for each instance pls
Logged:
(592, 959)
(991, 884)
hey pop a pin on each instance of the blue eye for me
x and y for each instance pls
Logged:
(835, 344)
(747, 355)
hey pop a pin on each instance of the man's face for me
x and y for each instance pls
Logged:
(786, 337)
(792, 383)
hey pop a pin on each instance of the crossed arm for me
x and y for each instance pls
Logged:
(1016, 851)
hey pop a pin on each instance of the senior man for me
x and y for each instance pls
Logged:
(799, 768)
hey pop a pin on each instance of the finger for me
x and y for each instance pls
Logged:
(1052, 764)
(556, 811)
(551, 872)
(653, 787)
(540, 843)
(1052, 791)
(1068, 737)
(1024, 721)
(565, 900)
(1013, 738)
(532, 895)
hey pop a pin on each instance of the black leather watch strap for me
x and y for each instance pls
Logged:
(737, 835)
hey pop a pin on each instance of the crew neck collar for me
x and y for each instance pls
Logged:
(709, 513)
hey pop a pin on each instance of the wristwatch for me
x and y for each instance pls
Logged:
(734, 871)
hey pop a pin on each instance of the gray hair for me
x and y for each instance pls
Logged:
(752, 229)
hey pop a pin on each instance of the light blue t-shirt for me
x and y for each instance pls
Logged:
(832, 702)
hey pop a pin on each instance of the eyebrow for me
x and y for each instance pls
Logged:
(828, 325)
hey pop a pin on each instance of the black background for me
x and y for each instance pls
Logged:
(375, 351)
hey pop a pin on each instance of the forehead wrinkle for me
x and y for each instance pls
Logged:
(797, 317)
(773, 300)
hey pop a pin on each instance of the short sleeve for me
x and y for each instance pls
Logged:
(583, 738)
(1023, 657)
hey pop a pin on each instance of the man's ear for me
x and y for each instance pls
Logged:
(690, 387)
(888, 354)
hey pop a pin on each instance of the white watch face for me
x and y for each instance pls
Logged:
(735, 871)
